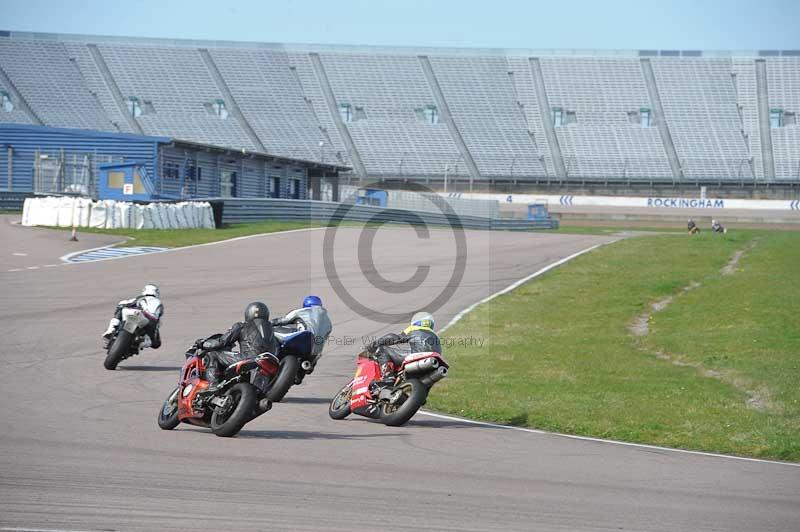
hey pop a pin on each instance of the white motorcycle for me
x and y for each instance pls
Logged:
(130, 335)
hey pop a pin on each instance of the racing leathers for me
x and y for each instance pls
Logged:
(416, 339)
(152, 306)
(254, 338)
(314, 319)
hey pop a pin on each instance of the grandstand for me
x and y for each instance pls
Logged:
(466, 117)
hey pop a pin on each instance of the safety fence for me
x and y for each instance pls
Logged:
(239, 210)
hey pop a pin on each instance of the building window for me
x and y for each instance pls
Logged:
(346, 112)
(360, 114)
(274, 187)
(5, 101)
(775, 118)
(218, 109)
(431, 114)
(227, 184)
(644, 117)
(134, 107)
(194, 173)
(171, 170)
(294, 188)
(558, 117)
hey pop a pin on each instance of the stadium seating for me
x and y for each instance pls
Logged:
(699, 102)
(783, 80)
(387, 107)
(391, 137)
(603, 141)
(481, 97)
(51, 84)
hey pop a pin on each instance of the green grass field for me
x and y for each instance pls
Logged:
(718, 370)
(173, 238)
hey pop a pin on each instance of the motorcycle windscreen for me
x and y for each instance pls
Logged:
(300, 343)
(367, 372)
(317, 321)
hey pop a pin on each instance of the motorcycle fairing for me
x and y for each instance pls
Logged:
(367, 372)
(190, 385)
(300, 343)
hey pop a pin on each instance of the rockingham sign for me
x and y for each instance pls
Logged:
(643, 202)
(686, 203)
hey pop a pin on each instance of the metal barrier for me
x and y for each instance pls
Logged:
(13, 201)
(239, 210)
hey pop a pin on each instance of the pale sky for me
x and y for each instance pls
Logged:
(561, 24)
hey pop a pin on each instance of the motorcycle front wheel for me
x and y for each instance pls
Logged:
(118, 350)
(340, 405)
(228, 421)
(408, 397)
(168, 415)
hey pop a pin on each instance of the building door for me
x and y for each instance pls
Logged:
(227, 184)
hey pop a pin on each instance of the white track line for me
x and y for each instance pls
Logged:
(66, 258)
(23, 529)
(522, 281)
(600, 440)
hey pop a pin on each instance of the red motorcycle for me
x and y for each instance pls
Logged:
(239, 398)
(395, 405)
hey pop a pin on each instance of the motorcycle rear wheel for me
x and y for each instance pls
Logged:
(118, 350)
(396, 415)
(284, 379)
(168, 415)
(228, 422)
(340, 404)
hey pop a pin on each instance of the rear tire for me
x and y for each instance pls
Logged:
(168, 415)
(340, 404)
(396, 416)
(118, 350)
(229, 423)
(284, 380)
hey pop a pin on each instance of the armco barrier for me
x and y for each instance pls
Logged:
(13, 201)
(239, 210)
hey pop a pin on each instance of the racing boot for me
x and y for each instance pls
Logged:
(388, 377)
(112, 326)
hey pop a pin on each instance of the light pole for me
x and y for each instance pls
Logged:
(321, 152)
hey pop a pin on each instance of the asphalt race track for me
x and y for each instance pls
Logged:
(80, 448)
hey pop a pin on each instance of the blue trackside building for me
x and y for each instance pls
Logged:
(105, 165)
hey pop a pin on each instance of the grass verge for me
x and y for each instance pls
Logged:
(173, 238)
(557, 353)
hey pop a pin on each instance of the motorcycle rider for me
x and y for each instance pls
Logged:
(254, 336)
(312, 316)
(419, 337)
(717, 227)
(691, 227)
(150, 301)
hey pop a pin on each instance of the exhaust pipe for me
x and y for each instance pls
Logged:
(306, 365)
(422, 366)
(434, 377)
(264, 405)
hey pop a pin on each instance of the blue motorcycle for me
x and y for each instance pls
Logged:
(295, 353)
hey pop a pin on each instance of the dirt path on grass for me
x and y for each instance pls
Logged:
(758, 397)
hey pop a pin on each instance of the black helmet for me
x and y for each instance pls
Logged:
(257, 310)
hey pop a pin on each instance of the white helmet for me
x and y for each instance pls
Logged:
(151, 290)
(423, 319)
